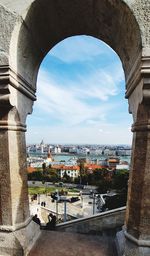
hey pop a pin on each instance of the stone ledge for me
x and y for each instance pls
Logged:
(19, 242)
(100, 223)
(103, 214)
(139, 242)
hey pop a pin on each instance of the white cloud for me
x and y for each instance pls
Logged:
(79, 122)
(101, 84)
(68, 104)
(78, 48)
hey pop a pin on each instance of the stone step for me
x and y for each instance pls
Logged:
(54, 243)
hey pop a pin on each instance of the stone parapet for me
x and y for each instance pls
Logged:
(110, 220)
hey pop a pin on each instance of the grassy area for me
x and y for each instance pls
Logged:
(43, 190)
(73, 190)
(40, 190)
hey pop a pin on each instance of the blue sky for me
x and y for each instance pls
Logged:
(80, 96)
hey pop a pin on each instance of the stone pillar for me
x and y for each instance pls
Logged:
(137, 224)
(17, 231)
(14, 198)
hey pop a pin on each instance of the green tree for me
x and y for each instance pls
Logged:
(81, 164)
(44, 167)
(103, 186)
(66, 178)
(120, 180)
(37, 176)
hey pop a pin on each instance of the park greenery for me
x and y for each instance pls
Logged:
(49, 190)
(104, 179)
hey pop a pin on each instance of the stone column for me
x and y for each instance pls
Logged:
(17, 231)
(13, 175)
(137, 224)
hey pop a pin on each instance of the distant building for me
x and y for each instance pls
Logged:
(113, 162)
(57, 150)
(65, 149)
(122, 167)
(71, 171)
(73, 150)
(72, 161)
(106, 152)
(92, 167)
(83, 151)
(123, 152)
(36, 163)
(38, 149)
(95, 151)
(41, 147)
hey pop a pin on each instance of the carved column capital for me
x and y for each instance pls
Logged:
(139, 71)
(9, 77)
(16, 100)
(138, 86)
(4, 91)
(141, 126)
(13, 126)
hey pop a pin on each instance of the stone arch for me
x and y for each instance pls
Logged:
(47, 23)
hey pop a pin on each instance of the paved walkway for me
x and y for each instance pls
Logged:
(71, 244)
(78, 209)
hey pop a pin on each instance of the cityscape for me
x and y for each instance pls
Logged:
(83, 177)
(68, 156)
(88, 150)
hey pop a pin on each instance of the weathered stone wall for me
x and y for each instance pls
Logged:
(141, 10)
(7, 24)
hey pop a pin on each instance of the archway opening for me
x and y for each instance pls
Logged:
(84, 70)
(80, 110)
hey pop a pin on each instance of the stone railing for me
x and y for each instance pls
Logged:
(111, 220)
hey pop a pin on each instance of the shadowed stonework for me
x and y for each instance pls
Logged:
(69, 244)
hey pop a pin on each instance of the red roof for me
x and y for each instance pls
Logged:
(113, 160)
(95, 166)
(71, 167)
(64, 167)
(31, 169)
(58, 166)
